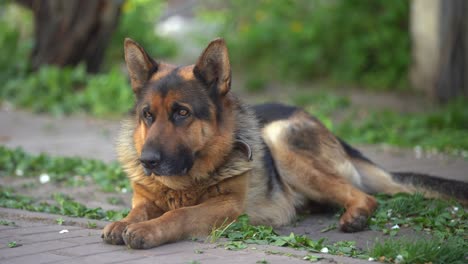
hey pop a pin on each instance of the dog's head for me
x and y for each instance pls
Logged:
(184, 124)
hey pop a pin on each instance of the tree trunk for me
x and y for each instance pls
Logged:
(71, 31)
(452, 77)
(424, 28)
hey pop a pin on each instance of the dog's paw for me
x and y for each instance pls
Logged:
(142, 236)
(112, 233)
(353, 222)
(355, 218)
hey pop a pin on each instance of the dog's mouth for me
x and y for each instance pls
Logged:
(158, 162)
(165, 172)
(176, 167)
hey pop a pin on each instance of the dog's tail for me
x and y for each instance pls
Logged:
(374, 179)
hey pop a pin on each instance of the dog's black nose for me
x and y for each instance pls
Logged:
(150, 159)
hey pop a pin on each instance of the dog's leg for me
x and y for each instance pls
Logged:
(312, 162)
(329, 188)
(143, 210)
(222, 205)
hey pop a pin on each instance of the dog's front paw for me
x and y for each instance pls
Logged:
(112, 233)
(142, 235)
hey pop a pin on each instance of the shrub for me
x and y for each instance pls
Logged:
(137, 22)
(69, 90)
(365, 42)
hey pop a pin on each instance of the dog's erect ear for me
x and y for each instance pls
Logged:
(139, 64)
(213, 66)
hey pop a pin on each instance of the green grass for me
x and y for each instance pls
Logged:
(444, 222)
(62, 205)
(7, 223)
(452, 250)
(68, 171)
(440, 218)
(444, 128)
(13, 244)
(241, 232)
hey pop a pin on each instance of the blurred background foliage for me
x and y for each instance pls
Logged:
(365, 43)
(137, 22)
(70, 89)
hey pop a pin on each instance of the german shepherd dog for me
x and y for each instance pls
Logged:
(197, 157)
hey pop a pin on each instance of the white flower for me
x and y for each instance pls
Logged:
(44, 178)
(455, 209)
(396, 227)
(124, 190)
(371, 259)
(19, 172)
(63, 231)
(324, 250)
(399, 259)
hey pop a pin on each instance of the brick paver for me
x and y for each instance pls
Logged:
(40, 241)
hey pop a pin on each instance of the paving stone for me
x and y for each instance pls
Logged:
(39, 258)
(83, 240)
(107, 257)
(86, 250)
(31, 230)
(6, 253)
(4, 227)
(42, 237)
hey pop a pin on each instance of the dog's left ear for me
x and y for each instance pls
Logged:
(213, 66)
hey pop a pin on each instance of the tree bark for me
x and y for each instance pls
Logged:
(69, 32)
(452, 77)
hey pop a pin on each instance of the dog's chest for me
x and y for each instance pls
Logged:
(169, 199)
(173, 199)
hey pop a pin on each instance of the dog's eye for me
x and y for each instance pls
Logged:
(181, 114)
(147, 116)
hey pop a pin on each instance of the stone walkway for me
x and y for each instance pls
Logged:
(40, 239)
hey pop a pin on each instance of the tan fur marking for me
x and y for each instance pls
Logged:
(323, 176)
(377, 180)
(186, 73)
(163, 70)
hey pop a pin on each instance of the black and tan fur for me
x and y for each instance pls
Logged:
(197, 157)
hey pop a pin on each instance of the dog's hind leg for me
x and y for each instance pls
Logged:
(312, 162)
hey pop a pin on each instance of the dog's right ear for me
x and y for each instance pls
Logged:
(139, 64)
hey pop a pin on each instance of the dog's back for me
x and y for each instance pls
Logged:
(306, 162)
